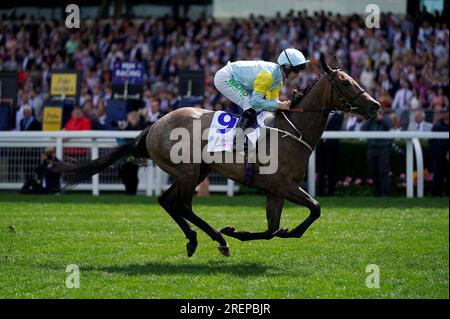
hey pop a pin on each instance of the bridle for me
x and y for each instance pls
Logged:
(346, 106)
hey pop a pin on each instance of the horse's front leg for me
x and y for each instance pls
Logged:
(297, 195)
(273, 213)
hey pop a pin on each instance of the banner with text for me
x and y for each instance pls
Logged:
(52, 118)
(130, 72)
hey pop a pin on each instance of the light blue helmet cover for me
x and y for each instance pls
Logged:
(291, 58)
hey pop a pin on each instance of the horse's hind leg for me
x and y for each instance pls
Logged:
(168, 200)
(273, 213)
(187, 191)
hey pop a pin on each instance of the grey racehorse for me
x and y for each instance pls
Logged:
(334, 90)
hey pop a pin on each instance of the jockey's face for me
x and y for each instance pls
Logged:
(292, 75)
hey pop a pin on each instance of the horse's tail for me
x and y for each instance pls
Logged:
(75, 171)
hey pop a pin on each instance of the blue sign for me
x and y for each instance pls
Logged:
(131, 72)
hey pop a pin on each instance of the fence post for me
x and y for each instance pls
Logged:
(230, 187)
(95, 178)
(312, 174)
(419, 166)
(157, 184)
(149, 173)
(409, 169)
(59, 148)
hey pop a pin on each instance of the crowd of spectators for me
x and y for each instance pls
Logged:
(403, 64)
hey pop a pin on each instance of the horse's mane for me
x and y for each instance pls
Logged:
(303, 92)
(310, 85)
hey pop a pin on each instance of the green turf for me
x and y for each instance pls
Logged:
(127, 247)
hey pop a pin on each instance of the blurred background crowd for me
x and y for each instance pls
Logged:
(403, 64)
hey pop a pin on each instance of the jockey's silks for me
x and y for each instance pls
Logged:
(263, 80)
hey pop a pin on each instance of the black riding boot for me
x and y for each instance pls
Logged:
(245, 121)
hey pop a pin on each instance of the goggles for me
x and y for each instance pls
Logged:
(298, 68)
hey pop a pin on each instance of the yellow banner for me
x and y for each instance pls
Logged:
(52, 118)
(63, 83)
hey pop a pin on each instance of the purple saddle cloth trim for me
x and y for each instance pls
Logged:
(248, 173)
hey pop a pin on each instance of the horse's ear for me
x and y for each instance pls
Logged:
(324, 64)
(336, 62)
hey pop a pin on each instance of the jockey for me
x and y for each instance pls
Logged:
(256, 85)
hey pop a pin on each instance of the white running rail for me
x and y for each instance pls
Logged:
(14, 146)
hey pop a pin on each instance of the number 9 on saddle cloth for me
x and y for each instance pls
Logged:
(223, 130)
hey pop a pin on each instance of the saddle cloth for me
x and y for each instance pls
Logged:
(223, 128)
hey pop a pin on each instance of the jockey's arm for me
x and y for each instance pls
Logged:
(261, 86)
(258, 102)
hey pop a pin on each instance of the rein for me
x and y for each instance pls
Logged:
(302, 110)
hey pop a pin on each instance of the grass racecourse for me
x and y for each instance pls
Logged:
(128, 247)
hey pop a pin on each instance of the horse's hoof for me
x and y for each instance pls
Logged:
(190, 248)
(228, 230)
(224, 250)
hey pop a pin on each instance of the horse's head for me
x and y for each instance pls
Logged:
(347, 95)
